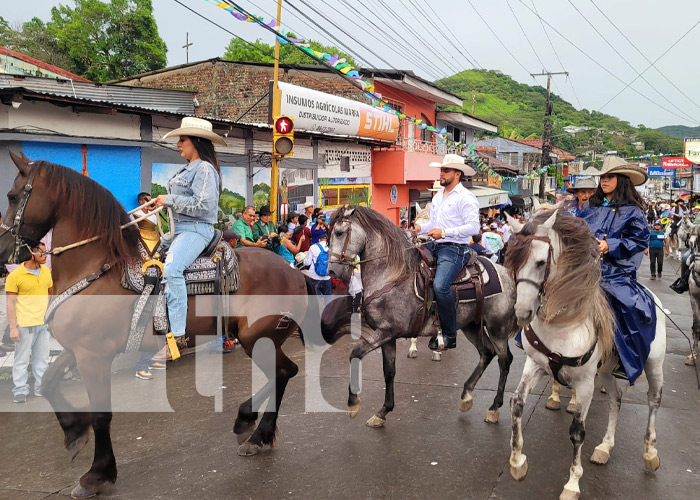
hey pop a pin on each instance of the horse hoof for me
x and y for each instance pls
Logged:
(652, 461)
(603, 390)
(248, 449)
(376, 421)
(569, 495)
(519, 473)
(571, 408)
(77, 445)
(491, 417)
(81, 491)
(600, 456)
(467, 403)
(690, 360)
(413, 353)
(437, 356)
(243, 437)
(353, 410)
(553, 404)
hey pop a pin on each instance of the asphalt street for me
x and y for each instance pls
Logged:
(427, 449)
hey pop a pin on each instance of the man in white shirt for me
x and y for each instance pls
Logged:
(454, 219)
(321, 281)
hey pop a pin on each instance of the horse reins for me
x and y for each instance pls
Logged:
(550, 257)
(343, 258)
(19, 216)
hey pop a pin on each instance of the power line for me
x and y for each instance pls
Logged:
(648, 67)
(645, 57)
(396, 45)
(688, 117)
(544, 66)
(498, 38)
(432, 23)
(568, 78)
(601, 66)
(455, 37)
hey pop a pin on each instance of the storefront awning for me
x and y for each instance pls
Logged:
(489, 197)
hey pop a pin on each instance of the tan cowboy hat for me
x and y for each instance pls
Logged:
(456, 162)
(583, 183)
(616, 165)
(196, 127)
(436, 187)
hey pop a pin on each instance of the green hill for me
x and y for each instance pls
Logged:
(518, 110)
(680, 131)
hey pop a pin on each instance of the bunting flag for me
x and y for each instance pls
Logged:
(341, 65)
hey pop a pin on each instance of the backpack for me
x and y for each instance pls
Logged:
(321, 264)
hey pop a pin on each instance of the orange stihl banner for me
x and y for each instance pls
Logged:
(316, 111)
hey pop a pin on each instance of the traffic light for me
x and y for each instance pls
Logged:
(283, 136)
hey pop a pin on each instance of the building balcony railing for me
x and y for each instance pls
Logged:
(425, 147)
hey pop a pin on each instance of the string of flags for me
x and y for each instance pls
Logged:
(341, 65)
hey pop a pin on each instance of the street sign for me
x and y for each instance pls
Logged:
(675, 162)
(660, 172)
(692, 149)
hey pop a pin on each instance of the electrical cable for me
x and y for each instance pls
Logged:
(544, 66)
(455, 37)
(498, 38)
(594, 61)
(432, 23)
(628, 63)
(645, 57)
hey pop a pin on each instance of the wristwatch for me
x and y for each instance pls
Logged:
(443, 234)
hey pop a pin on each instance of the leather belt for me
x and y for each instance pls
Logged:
(451, 244)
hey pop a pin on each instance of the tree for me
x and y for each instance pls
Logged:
(259, 51)
(109, 40)
(32, 38)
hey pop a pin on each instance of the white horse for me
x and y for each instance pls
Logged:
(694, 293)
(678, 241)
(576, 327)
(422, 218)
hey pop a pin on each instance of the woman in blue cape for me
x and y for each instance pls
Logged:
(616, 216)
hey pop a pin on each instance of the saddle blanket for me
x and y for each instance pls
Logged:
(489, 277)
(200, 276)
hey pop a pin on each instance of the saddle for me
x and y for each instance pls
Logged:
(477, 281)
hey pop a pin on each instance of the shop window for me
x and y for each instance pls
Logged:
(425, 134)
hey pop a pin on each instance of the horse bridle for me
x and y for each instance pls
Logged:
(19, 218)
(344, 259)
(550, 257)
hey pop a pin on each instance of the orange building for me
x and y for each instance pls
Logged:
(403, 167)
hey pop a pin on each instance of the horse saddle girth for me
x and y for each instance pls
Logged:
(478, 279)
(215, 271)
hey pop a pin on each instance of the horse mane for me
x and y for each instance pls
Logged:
(96, 209)
(401, 257)
(574, 295)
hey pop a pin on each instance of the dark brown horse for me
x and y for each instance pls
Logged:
(46, 196)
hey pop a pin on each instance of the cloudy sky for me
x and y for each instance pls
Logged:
(603, 44)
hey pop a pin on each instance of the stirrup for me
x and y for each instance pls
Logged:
(440, 341)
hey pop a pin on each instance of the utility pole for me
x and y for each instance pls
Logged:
(187, 46)
(547, 131)
(276, 111)
(473, 101)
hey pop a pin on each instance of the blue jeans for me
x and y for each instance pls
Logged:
(450, 261)
(144, 360)
(33, 343)
(323, 287)
(191, 238)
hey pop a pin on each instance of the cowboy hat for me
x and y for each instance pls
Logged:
(436, 187)
(196, 127)
(583, 183)
(456, 162)
(616, 165)
(308, 204)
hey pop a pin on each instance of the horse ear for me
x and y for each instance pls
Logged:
(549, 224)
(348, 211)
(21, 162)
(536, 206)
(514, 223)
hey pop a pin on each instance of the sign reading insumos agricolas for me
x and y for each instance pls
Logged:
(692, 149)
(319, 112)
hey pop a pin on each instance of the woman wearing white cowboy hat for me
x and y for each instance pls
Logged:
(454, 219)
(616, 216)
(194, 197)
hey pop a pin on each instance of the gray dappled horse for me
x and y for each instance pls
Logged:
(389, 264)
(575, 327)
(694, 294)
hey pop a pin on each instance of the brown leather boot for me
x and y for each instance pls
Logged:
(181, 343)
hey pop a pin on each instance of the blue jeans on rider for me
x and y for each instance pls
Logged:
(191, 238)
(450, 261)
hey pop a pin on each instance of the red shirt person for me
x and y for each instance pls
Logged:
(302, 229)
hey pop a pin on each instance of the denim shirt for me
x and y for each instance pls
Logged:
(194, 193)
